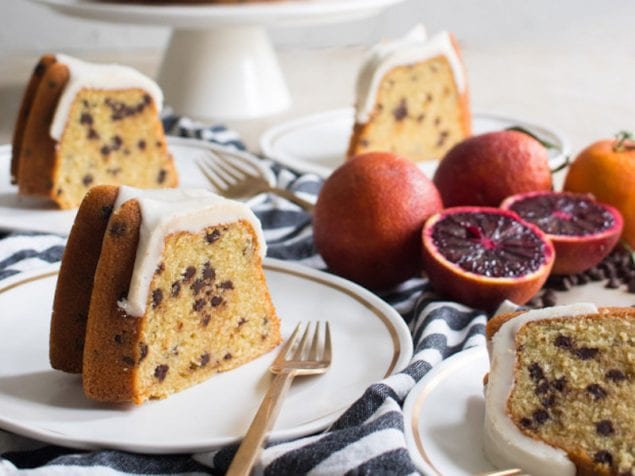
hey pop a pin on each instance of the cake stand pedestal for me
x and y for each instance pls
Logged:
(220, 63)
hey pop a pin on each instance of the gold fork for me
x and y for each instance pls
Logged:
(293, 359)
(506, 472)
(234, 177)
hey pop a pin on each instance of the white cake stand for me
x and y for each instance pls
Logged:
(220, 63)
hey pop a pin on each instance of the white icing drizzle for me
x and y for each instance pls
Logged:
(504, 444)
(167, 211)
(97, 76)
(411, 49)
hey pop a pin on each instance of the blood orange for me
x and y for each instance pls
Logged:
(582, 230)
(481, 256)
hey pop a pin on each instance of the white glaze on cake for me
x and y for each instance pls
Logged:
(97, 76)
(412, 48)
(504, 444)
(167, 211)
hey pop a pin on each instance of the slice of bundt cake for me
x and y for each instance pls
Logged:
(412, 98)
(560, 395)
(178, 293)
(83, 124)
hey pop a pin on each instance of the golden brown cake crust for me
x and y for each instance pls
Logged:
(75, 280)
(110, 355)
(25, 112)
(37, 153)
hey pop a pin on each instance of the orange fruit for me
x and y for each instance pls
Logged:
(483, 170)
(368, 219)
(606, 169)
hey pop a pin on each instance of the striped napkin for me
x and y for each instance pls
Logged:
(367, 439)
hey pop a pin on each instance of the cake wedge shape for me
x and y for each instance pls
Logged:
(178, 294)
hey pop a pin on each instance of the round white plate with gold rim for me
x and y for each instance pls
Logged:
(370, 341)
(19, 213)
(318, 143)
(443, 417)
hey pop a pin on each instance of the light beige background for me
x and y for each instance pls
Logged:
(567, 64)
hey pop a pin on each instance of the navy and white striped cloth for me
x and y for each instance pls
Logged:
(367, 439)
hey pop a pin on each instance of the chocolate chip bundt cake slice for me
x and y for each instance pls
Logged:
(560, 397)
(83, 124)
(412, 98)
(179, 293)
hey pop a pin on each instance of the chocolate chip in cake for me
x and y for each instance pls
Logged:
(548, 401)
(128, 360)
(204, 359)
(157, 297)
(216, 301)
(526, 422)
(59, 192)
(226, 285)
(189, 273)
(540, 416)
(604, 427)
(603, 457)
(118, 228)
(205, 320)
(563, 341)
(420, 118)
(87, 180)
(161, 176)
(213, 236)
(118, 339)
(535, 371)
(158, 144)
(161, 371)
(198, 284)
(116, 142)
(542, 387)
(141, 144)
(437, 121)
(86, 118)
(560, 384)
(143, 351)
(596, 390)
(175, 289)
(199, 304)
(227, 356)
(208, 272)
(92, 134)
(615, 375)
(586, 353)
(241, 321)
(160, 268)
(443, 135)
(401, 111)
(147, 99)
(106, 211)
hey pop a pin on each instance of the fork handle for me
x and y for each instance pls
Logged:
(251, 445)
(292, 197)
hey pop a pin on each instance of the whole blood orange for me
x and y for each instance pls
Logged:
(582, 230)
(484, 170)
(606, 169)
(368, 219)
(481, 256)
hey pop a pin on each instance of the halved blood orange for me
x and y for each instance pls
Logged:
(582, 230)
(481, 256)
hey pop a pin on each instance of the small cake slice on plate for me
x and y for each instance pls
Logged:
(83, 124)
(178, 294)
(412, 98)
(560, 395)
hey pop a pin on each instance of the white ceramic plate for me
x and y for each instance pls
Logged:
(287, 13)
(32, 214)
(318, 143)
(370, 341)
(443, 417)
